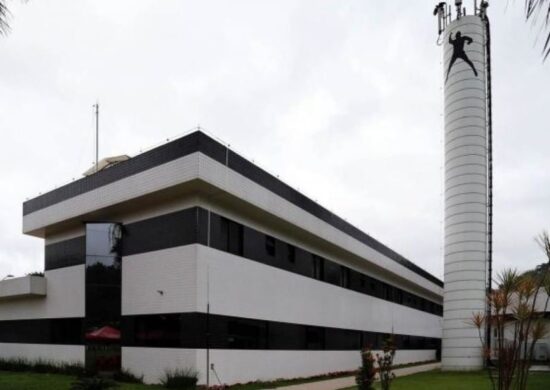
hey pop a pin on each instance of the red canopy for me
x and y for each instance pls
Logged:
(107, 333)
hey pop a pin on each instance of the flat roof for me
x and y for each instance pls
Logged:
(201, 142)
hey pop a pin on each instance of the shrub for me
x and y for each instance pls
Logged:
(36, 273)
(367, 372)
(41, 366)
(385, 363)
(185, 378)
(93, 383)
(127, 376)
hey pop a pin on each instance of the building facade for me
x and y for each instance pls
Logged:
(189, 255)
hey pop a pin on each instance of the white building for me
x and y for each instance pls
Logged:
(135, 254)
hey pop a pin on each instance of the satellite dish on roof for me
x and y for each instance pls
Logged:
(106, 163)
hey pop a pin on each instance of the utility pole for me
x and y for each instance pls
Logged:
(96, 106)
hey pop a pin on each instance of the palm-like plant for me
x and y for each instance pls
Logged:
(4, 27)
(538, 11)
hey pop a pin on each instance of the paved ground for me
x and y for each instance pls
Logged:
(340, 383)
(540, 368)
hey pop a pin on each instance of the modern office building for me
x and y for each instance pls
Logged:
(188, 255)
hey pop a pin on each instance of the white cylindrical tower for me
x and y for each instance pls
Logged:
(466, 186)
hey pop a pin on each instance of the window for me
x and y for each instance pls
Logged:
(318, 267)
(362, 281)
(398, 296)
(344, 277)
(387, 292)
(103, 297)
(373, 288)
(246, 334)
(270, 245)
(315, 338)
(291, 253)
(342, 339)
(331, 273)
(232, 236)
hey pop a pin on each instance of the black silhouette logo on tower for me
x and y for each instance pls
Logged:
(458, 51)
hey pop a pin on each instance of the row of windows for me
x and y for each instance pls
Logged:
(43, 331)
(198, 330)
(191, 225)
(232, 237)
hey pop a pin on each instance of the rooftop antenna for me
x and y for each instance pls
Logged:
(439, 11)
(458, 4)
(96, 107)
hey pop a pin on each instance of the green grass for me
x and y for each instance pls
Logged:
(33, 381)
(435, 380)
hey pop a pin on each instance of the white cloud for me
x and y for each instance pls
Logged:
(341, 99)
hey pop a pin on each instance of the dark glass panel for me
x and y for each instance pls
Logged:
(42, 331)
(103, 299)
(246, 334)
(345, 277)
(291, 253)
(331, 272)
(65, 253)
(285, 336)
(317, 271)
(342, 339)
(315, 338)
(165, 231)
(270, 245)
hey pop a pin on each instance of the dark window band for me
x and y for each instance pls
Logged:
(189, 330)
(190, 226)
(65, 253)
(43, 331)
(184, 227)
(166, 231)
(200, 142)
(229, 236)
(191, 143)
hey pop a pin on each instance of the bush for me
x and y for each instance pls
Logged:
(127, 376)
(385, 364)
(93, 383)
(36, 273)
(367, 372)
(186, 378)
(41, 366)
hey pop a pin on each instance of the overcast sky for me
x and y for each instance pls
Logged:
(341, 98)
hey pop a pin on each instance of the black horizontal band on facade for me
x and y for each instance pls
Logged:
(190, 226)
(200, 142)
(65, 253)
(63, 331)
(200, 330)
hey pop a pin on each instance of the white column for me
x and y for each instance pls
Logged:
(465, 194)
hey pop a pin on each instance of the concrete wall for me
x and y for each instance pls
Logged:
(234, 366)
(172, 271)
(244, 288)
(225, 181)
(64, 299)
